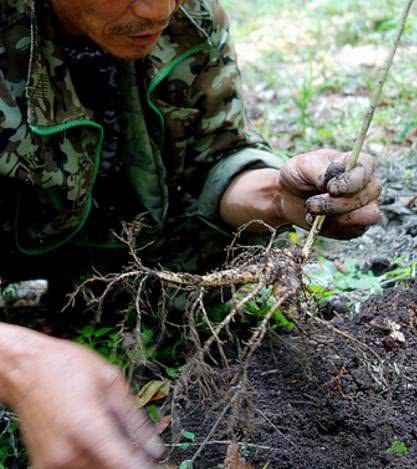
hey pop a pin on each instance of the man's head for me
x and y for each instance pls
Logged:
(125, 28)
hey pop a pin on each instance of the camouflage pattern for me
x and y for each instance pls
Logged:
(50, 148)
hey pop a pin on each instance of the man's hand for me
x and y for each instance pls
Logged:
(308, 185)
(75, 409)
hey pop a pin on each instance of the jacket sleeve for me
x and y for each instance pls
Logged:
(224, 143)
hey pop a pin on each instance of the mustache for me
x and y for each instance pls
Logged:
(139, 26)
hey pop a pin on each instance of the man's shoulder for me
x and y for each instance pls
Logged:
(207, 13)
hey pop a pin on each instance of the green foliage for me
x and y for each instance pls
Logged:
(261, 306)
(11, 450)
(153, 413)
(106, 341)
(325, 280)
(187, 464)
(412, 124)
(303, 99)
(255, 310)
(189, 438)
(397, 448)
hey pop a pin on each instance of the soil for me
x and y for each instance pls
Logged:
(323, 400)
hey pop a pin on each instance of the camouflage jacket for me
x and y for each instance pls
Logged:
(185, 129)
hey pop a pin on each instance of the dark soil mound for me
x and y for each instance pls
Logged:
(327, 401)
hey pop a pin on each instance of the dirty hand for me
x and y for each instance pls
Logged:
(75, 409)
(307, 185)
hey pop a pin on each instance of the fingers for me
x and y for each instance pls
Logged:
(92, 440)
(335, 169)
(327, 204)
(115, 435)
(101, 444)
(138, 430)
(353, 181)
(368, 215)
(305, 173)
(324, 171)
(352, 224)
(133, 423)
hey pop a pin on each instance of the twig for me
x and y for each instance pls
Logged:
(213, 429)
(226, 443)
(346, 336)
(353, 158)
(268, 420)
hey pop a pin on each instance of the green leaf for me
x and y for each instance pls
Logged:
(218, 312)
(282, 321)
(251, 308)
(184, 446)
(397, 448)
(104, 351)
(87, 331)
(188, 436)
(147, 336)
(102, 331)
(187, 464)
(153, 413)
(173, 373)
(386, 24)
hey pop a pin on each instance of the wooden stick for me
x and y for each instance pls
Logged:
(353, 159)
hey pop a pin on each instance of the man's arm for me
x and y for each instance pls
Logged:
(306, 186)
(221, 142)
(74, 408)
(243, 180)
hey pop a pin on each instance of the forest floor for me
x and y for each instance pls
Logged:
(340, 393)
(325, 399)
(321, 398)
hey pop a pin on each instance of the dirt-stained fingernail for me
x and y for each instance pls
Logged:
(319, 205)
(335, 169)
(340, 184)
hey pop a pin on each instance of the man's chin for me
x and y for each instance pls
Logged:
(130, 53)
(126, 52)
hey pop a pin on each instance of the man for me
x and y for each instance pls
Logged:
(160, 130)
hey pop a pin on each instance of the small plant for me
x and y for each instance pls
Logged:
(303, 99)
(325, 279)
(256, 310)
(397, 448)
(190, 439)
(262, 306)
(187, 464)
(106, 341)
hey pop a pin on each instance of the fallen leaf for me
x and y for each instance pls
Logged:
(163, 424)
(233, 460)
(153, 391)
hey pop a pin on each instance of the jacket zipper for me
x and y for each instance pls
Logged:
(156, 81)
(52, 131)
